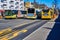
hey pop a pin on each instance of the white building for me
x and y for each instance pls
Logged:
(12, 4)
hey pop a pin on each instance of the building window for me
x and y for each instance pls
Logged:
(16, 7)
(21, 4)
(4, 5)
(16, 0)
(21, 0)
(21, 7)
(16, 3)
(11, 2)
(1, 5)
(3, 1)
(11, 6)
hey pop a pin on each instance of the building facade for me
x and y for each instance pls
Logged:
(11, 4)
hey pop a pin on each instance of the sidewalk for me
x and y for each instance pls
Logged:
(55, 33)
(41, 33)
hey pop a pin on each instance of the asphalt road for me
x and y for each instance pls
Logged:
(14, 23)
(22, 24)
(30, 28)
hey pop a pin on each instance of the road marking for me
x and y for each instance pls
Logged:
(24, 23)
(24, 31)
(10, 29)
(12, 35)
(17, 33)
(5, 31)
(4, 38)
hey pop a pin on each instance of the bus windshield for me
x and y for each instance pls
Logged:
(8, 13)
(24, 12)
(31, 10)
(45, 10)
(14, 11)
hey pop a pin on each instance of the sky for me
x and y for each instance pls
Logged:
(46, 2)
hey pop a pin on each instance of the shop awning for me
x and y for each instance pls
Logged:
(2, 11)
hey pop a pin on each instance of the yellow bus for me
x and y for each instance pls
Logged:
(31, 13)
(9, 14)
(46, 14)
